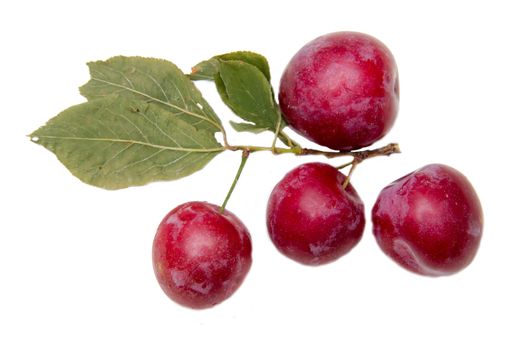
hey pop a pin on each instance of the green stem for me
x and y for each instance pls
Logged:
(277, 131)
(244, 158)
(224, 137)
(287, 140)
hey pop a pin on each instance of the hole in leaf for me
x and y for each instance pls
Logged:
(35, 138)
(199, 105)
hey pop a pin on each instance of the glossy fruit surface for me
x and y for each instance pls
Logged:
(429, 221)
(200, 255)
(311, 218)
(341, 90)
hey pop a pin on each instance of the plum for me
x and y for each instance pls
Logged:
(341, 90)
(429, 221)
(311, 217)
(201, 255)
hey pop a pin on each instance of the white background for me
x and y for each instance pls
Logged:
(75, 263)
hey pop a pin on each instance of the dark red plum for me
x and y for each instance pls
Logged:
(311, 218)
(341, 90)
(200, 255)
(429, 221)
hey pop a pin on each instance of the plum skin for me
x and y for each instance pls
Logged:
(341, 90)
(311, 218)
(429, 221)
(200, 255)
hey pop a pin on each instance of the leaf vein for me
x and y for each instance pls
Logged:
(132, 124)
(138, 161)
(183, 100)
(186, 111)
(156, 124)
(154, 82)
(180, 149)
(113, 157)
(131, 85)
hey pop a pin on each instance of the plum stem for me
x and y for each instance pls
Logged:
(387, 150)
(353, 165)
(244, 158)
(359, 156)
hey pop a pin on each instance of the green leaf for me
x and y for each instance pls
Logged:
(153, 80)
(245, 89)
(242, 127)
(206, 70)
(242, 79)
(114, 143)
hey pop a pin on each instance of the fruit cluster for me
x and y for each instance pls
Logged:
(145, 120)
(341, 91)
